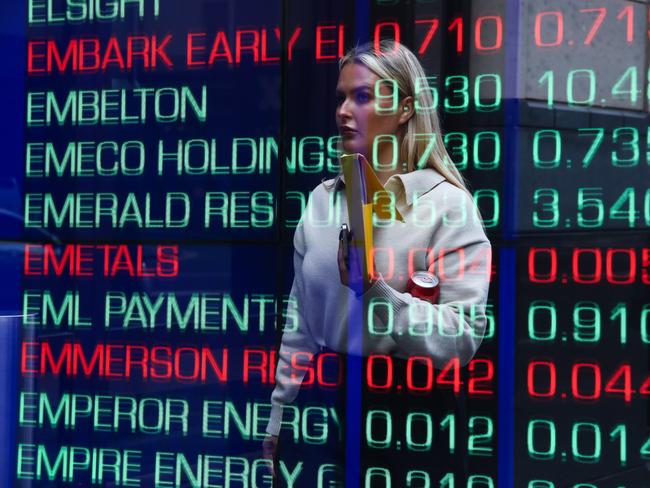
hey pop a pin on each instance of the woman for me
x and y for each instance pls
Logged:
(384, 110)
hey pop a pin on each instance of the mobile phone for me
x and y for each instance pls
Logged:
(344, 237)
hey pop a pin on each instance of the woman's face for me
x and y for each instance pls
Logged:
(356, 115)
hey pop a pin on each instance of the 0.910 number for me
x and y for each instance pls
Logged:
(587, 319)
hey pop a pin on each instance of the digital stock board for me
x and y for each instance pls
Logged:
(159, 158)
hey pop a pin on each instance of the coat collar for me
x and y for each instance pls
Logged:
(419, 181)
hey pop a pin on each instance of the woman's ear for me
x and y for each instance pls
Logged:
(407, 110)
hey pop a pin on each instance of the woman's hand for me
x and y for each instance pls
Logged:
(352, 276)
(269, 446)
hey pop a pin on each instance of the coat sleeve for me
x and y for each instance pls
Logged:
(298, 345)
(454, 327)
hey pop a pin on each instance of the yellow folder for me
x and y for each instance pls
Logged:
(361, 185)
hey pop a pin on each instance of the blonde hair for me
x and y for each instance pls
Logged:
(394, 61)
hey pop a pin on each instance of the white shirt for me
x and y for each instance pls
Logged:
(442, 233)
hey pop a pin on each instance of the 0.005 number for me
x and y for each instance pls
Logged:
(591, 266)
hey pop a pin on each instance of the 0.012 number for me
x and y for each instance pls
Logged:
(419, 432)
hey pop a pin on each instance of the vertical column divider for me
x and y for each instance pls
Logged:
(507, 253)
(354, 377)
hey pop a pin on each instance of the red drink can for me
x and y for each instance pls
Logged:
(425, 286)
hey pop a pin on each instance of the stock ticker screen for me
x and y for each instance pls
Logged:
(158, 157)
